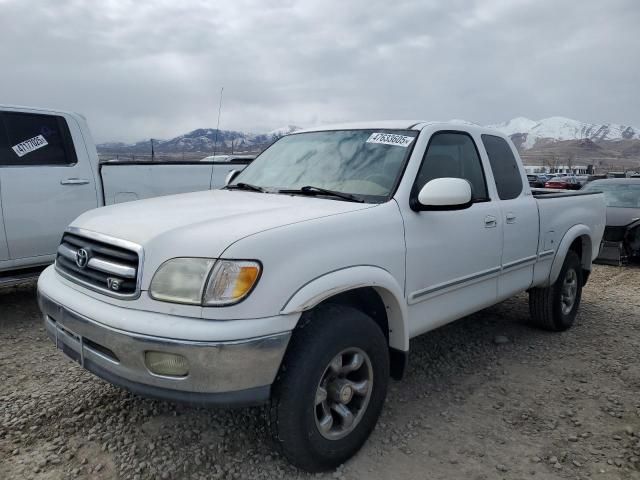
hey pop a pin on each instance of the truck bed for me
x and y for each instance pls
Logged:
(559, 212)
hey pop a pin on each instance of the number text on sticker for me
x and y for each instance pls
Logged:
(30, 145)
(390, 139)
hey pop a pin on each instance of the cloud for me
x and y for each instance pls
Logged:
(155, 69)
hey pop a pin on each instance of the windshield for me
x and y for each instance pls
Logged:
(617, 194)
(363, 163)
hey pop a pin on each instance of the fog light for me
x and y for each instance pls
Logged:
(168, 364)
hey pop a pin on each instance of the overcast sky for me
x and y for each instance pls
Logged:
(141, 69)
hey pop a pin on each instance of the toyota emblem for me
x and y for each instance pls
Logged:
(82, 258)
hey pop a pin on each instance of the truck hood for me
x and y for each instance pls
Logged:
(204, 224)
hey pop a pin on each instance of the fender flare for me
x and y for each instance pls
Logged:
(350, 278)
(577, 231)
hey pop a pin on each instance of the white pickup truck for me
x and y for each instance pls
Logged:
(50, 174)
(302, 282)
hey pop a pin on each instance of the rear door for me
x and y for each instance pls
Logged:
(46, 183)
(519, 212)
(4, 251)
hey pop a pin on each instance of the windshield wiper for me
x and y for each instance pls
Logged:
(245, 186)
(311, 190)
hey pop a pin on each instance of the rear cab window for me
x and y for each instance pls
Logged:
(28, 139)
(506, 171)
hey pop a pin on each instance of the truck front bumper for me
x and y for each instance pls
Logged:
(229, 373)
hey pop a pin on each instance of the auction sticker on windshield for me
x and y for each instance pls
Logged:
(390, 139)
(30, 145)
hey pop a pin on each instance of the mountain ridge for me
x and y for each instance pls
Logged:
(527, 133)
(557, 136)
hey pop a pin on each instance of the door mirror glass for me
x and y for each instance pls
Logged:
(231, 176)
(445, 194)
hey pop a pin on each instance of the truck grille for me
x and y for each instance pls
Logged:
(101, 266)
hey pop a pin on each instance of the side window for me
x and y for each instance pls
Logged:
(33, 139)
(453, 154)
(4, 143)
(504, 166)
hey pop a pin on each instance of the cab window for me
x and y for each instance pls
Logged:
(504, 166)
(453, 154)
(28, 139)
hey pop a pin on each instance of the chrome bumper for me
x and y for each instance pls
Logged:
(224, 373)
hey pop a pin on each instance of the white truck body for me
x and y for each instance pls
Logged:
(427, 268)
(40, 196)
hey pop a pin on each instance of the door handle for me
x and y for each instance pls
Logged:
(74, 181)
(490, 221)
(511, 218)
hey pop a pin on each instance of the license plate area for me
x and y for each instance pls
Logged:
(70, 343)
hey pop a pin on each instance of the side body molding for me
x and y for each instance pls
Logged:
(330, 284)
(588, 252)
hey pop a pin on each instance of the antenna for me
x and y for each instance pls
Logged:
(215, 142)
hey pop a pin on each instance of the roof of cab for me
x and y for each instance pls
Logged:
(398, 125)
(40, 110)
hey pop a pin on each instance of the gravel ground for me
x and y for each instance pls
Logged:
(485, 397)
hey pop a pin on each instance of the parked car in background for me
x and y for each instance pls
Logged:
(596, 176)
(563, 183)
(537, 180)
(301, 283)
(621, 240)
(582, 180)
(50, 174)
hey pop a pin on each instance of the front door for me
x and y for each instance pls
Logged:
(46, 184)
(453, 257)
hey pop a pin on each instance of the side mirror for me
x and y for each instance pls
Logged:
(231, 176)
(444, 194)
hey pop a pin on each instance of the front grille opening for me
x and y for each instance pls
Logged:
(100, 349)
(108, 268)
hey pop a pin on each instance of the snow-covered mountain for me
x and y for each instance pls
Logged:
(279, 132)
(526, 133)
(202, 140)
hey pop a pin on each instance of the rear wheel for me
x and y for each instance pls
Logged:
(555, 307)
(330, 389)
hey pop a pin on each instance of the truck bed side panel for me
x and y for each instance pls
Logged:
(126, 182)
(559, 214)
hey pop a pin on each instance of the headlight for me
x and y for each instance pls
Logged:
(184, 280)
(181, 280)
(231, 281)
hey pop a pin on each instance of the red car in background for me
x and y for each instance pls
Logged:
(563, 183)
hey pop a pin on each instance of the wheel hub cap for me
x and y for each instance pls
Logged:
(343, 393)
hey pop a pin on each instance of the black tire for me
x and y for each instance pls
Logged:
(546, 304)
(322, 334)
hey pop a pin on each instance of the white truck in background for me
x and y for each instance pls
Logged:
(301, 283)
(50, 174)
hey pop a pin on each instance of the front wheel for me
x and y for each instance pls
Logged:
(555, 307)
(330, 389)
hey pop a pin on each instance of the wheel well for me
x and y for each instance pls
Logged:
(582, 247)
(368, 301)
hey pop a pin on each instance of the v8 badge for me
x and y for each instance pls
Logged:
(113, 284)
